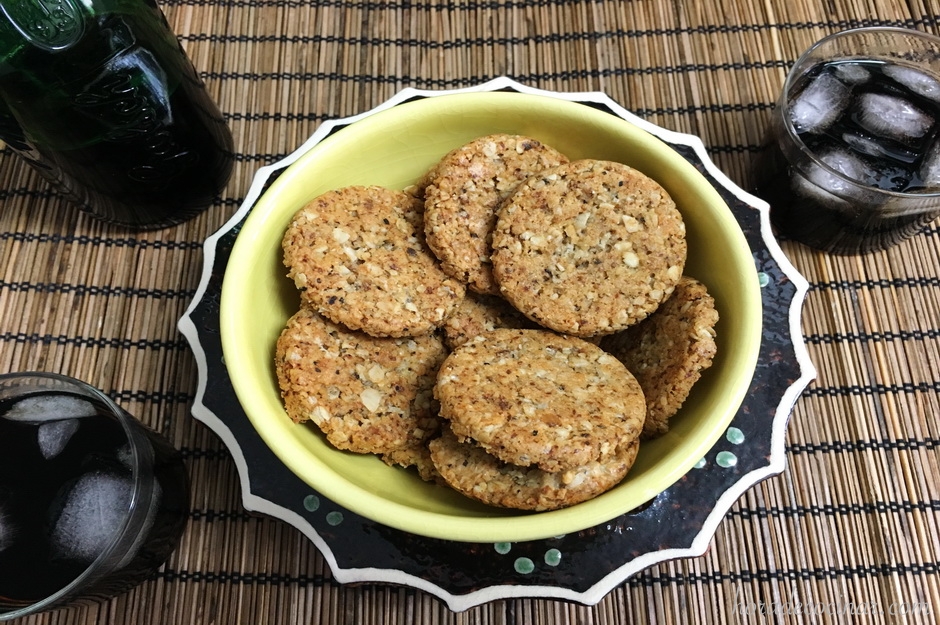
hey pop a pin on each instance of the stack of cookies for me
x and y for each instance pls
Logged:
(513, 326)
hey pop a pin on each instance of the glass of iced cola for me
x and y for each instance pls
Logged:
(852, 159)
(92, 501)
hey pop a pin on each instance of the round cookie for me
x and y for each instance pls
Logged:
(588, 248)
(479, 313)
(463, 194)
(367, 394)
(417, 456)
(668, 351)
(533, 397)
(358, 256)
(467, 468)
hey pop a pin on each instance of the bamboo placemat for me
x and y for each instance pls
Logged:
(853, 523)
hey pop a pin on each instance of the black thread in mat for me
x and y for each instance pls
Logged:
(117, 241)
(836, 446)
(220, 516)
(858, 390)
(649, 577)
(200, 453)
(93, 290)
(97, 342)
(850, 509)
(911, 282)
(466, 81)
(868, 337)
(527, 5)
(718, 107)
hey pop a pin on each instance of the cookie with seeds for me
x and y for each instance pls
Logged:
(366, 394)
(470, 470)
(359, 258)
(463, 193)
(669, 350)
(478, 313)
(589, 247)
(417, 456)
(536, 398)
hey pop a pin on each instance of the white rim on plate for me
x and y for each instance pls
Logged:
(255, 501)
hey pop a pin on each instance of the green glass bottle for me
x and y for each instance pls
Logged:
(99, 97)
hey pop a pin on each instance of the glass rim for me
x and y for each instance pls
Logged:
(793, 75)
(96, 565)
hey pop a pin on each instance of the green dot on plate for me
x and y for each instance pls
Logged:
(334, 518)
(502, 548)
(735, 436)
(700, 464)
(524, 566)
(763, 279)
(311, 503)
(726, 459)
(552, 557)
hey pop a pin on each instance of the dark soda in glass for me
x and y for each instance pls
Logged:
(100, 98)
(853, 160)
(75, 486)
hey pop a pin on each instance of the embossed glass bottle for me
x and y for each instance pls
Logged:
(99, 96)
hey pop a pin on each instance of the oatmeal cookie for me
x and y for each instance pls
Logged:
(462, 196)
(588, 248)
(479, 313)
(668, 351)
(358, 256)
(418, 456)
(536, 398)
(467, 468)
(367, 394)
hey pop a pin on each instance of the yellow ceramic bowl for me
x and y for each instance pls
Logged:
(394, 148)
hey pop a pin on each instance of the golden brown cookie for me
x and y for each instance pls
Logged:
(468, 469)
(479, 313)
(536, 398)
(358, 256)
(587, 248)
(464, 192)
(417, 456)
(668, 351)
(367, 394)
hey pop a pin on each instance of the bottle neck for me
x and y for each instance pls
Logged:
(46, 24)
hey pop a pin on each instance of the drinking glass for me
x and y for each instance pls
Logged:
(852, 160)
(92, 501)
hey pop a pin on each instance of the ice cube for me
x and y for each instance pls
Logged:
(892, 117)
(929, 171)
(7, 530)
(851, 73)
(53, 436)
(844, 162)
(866, 145)
(826, 187)
(918, 81)
(39, 408)
(126, 457)
(820, 103)
(91, 515)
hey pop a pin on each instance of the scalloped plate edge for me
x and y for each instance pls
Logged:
(599, 590)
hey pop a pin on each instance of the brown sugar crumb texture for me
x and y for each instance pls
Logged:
(536, 398)
(358, 256)
(465, 190)
(668, 351)
(589, 247)
(367, 394)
